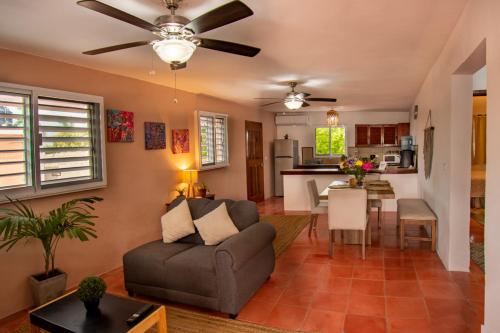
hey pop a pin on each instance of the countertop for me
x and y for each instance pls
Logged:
(337, 171)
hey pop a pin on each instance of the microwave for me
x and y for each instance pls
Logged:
(392, 159)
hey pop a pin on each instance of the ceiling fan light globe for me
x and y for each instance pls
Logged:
(174, 51)
(293, 104)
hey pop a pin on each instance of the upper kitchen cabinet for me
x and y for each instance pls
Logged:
(381, 135)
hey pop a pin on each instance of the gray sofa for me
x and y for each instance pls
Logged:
(221, 278)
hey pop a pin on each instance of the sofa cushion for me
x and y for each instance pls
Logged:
(243, 213)
(177, 223)
(146, 263)
(193, 271)
(216, 226)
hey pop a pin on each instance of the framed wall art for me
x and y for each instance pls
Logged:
(120, 126)
(154, 136)
(180, 141)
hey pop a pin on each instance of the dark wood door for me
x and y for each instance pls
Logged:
(390, 135)
(362, 135)
(375, 135)
(254, 160)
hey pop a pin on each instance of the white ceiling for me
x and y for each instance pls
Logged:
(369, 54)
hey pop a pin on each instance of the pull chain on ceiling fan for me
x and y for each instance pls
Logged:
(179, 35)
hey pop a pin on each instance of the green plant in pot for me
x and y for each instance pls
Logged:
(202, 190)
(90, 291)
(73, 219)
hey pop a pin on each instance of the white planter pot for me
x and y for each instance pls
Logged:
(46, 290)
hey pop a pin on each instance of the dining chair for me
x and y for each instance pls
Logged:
(347, 210)
(375, 203)
(317, 206)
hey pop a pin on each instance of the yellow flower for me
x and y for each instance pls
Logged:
(359, 163)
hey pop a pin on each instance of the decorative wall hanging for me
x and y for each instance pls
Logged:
(428, 145)
(180, 141)
(120, 126)
(154, 136)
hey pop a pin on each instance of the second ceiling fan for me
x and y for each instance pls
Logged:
(179, 35)
(295, 100)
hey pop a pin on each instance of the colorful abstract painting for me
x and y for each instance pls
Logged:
(120, 126)
(154, 136)
(180, 141)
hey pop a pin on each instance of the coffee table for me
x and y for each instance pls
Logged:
(67, 314)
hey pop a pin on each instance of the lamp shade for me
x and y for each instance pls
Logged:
(190, 176)
(174, 51)
(332, 118)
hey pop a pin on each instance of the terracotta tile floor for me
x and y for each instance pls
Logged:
(392, 291)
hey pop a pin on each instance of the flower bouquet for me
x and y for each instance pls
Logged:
(356, 167)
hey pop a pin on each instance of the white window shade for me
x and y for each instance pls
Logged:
(213, 147)
(67, 150)
(14, 140)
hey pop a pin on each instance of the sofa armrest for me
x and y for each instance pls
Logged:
(246, 244)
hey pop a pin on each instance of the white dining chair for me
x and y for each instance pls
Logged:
(376, 203)
(317, 206)
(347, 210)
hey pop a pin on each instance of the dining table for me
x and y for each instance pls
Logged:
(376, 190)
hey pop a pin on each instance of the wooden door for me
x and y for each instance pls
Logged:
(254, 161)
(375, 135)
(390, 135)
(362, 135)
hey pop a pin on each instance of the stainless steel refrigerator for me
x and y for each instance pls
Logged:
(286, 156)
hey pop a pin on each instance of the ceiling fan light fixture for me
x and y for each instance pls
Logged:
(174, 51)
(293, 103)
(332, 118)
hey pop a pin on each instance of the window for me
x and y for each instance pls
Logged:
(212, 132)
(329, 141)
(50, 142)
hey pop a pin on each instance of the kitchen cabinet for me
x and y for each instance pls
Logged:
(381, 135)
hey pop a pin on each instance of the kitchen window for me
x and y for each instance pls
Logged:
(212, 138)
(50, 142)
(329, 141)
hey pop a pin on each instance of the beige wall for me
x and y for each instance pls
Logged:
(447, 187)
(140, 181)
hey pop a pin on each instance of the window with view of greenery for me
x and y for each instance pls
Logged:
(329, 141)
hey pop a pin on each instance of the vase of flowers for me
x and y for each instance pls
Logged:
(356, 167)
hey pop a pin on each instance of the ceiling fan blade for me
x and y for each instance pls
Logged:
(175, 67)
(304, 94)
(270, 104)
(320, 99)
(305, 105)
(268, 98)
(116, 47)
(229, 47)
(225, 14)
(117, 14)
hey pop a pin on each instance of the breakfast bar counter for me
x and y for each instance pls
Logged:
(403, 181)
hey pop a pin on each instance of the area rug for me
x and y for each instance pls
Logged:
(185, 321)
(477, 214)
(477, 254)
(288, 227)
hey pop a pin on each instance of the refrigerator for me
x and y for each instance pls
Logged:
(286, 156)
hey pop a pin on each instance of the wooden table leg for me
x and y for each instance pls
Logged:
(34, 329)
(402, 234)
(162, 323)
(433, 235)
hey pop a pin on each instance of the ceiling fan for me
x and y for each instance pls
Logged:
(295, 100)
(178, 36)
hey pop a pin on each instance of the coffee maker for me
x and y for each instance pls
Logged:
(407, 152)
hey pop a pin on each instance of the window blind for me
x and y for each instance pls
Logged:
(67, 146)
(14, 140)
(207, 140)
(220, 139)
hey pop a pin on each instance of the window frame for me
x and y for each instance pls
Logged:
(34, 189)
(215, 164)
(330, 155)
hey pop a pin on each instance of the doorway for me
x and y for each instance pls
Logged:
(254, 161)
(478, 168)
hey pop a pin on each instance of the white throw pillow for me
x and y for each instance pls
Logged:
(177, 223)
(216, 226)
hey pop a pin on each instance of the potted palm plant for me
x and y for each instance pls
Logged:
(73, 219)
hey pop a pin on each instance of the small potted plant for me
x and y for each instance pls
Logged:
(203, 189)
(90, 291)
(73, 219)
(181, 189)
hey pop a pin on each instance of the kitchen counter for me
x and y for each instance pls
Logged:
(337, 171)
